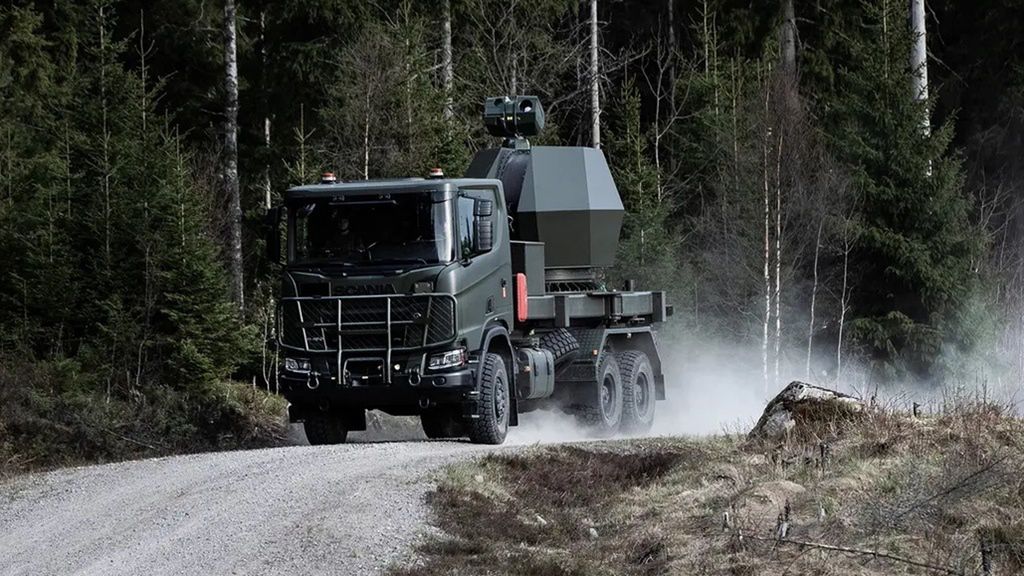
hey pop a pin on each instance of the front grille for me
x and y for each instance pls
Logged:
(368, 323)
(327, 289)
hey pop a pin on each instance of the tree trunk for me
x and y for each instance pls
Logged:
(302, 136)
(267, 187)
(778, 257)
(919, 59)
(107, 210)
(843, 299)
(229, 175)
(595, 90)
(787, 38)
(143, 52)
(671, 54)
(366, 139)
(767, 252)
(447, 71)
(814, 298)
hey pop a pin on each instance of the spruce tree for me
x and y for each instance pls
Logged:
(913, 278)
(34, 189)
(648, 243)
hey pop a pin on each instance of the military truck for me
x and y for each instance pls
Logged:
(465, 301)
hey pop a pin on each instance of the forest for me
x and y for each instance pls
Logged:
(832, 189)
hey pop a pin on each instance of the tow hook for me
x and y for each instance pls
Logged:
(424, 403)
(414, 378)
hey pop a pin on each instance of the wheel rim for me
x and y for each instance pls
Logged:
(500, 401)
(643, 393)
(608, 395)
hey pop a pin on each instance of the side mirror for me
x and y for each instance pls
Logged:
(272, 223)
(484, 236)
(483, 208)
(483, 225)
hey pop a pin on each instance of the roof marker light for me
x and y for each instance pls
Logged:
(328, 178)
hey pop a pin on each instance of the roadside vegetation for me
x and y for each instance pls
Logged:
(54, 414)
(876, 493)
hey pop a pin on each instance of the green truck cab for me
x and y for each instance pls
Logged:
(465, 301)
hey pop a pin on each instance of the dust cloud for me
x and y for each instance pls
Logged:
(715, 388)
(708, 390)
(546, 427)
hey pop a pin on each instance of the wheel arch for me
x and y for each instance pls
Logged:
(642, 340)
(497, 339)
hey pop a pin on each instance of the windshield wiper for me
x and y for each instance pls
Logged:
(397, 261)
(321, 262)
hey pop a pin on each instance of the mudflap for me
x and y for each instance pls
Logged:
(471, 407)
(354, 419)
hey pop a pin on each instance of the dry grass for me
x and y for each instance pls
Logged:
(884, 493)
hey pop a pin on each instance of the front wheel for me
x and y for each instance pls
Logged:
(491, 424)
(324, 429)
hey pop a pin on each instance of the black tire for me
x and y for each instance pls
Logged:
(441, 423)
(562, 344)
(494, 405)
(638, 392)
(602, 412)
(324, 429)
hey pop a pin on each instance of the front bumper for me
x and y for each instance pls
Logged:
(405, 394)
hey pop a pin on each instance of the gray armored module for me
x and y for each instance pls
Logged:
(562, 196)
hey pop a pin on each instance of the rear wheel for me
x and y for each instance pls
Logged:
(491, 425)
(324, 429)
(603, 411)
(637, 392)
(441, 423)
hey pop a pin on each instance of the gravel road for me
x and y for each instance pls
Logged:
(339, 510)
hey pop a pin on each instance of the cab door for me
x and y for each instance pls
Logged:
(482, 246)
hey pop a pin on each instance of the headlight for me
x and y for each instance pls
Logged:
(296, 365)
(449, 359)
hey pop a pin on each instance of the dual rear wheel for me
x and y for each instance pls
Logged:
(622, 396)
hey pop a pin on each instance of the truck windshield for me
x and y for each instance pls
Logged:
(401, 228)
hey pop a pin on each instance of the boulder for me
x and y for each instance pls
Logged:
(801, 405)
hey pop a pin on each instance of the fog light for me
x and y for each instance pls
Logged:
(449, 359)
(296, 365)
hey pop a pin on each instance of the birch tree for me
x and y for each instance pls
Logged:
(919, 60)
(229, 170)
(264, 74)
(447, 69)
(595, 80)
(768, 300)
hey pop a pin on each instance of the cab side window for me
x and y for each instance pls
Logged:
(467, 236)
(476, 221)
